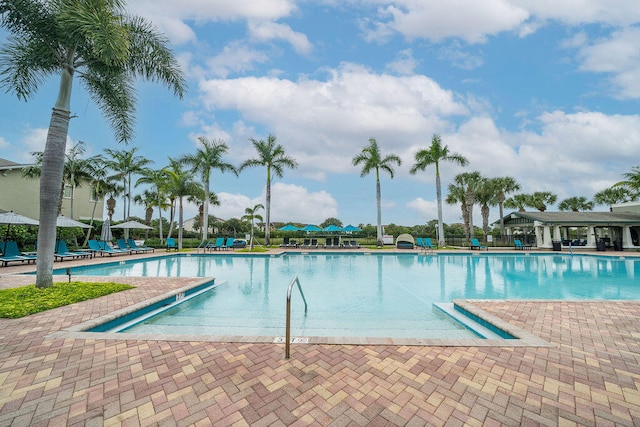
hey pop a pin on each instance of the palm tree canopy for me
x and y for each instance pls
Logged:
(436, 153)
(97, 41)
(209, 156)
(271, 155)
(575, 204)
(371, 159)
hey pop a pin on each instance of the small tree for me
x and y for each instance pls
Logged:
(250, 214)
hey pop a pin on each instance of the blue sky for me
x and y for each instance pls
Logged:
(546, 92)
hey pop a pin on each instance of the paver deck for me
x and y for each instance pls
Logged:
(590, 375)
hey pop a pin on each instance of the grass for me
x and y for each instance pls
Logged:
(26, 300)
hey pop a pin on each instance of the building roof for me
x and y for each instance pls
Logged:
(572, 218)
(8, 164)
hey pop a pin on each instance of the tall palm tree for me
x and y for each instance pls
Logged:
(504, 185)
(632, 182)
(272, 156)
(487, 195)
(149, 200)
(207, 157)
(612, 195)
(198, 198)
(156, 178)
(125, 164)
(371, 159)
(251, 215)
(433, 155)
(471, 182)
(518, 201)
(575, 204)
(107, 49)
(101, 186)
(541, 199)
(76, 171)
(180, 184)
(457, 194)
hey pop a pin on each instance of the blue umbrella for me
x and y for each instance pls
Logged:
(289, 227)
(311, 227)
(332, 228)
(351, 228)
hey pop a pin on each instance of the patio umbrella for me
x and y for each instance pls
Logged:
(332, 228)
(12, 218)
(132, 224)
(63, 221)
(311, 227)
(289, 227)
(351, 228)
(105, 234)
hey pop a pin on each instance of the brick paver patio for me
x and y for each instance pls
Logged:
(589, 375)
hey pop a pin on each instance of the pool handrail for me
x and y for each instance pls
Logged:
(287, 342)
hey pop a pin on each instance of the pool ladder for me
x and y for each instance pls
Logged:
(287, 340)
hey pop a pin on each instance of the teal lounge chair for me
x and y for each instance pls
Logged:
(420, 242)
(475, 244)
(217, 245)
(134, 246)
(10, 253)
(427, 243)
(62, 252)
(171, 244)
(520, 246)
(229, 243)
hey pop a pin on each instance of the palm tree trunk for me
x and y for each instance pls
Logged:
(267, 230)
(485, 220)
(205, 220)
(439, 200)
(180, 216)
(378, 197)
(50, 179)
(93, 214)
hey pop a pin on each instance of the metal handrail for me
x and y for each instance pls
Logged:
(287, 344)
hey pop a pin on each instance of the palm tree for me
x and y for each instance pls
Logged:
(433, 155)
(180, 184)
(207, 157)
(632, 182)
(371, 159)
(100, 184)
(125, 163)
(457, 194)
(157, 178)
(107, 49)
(612, 195)
(198, 198)
(470, 182)
(487, 195)
(504, 185)
(250, 214)
(518, 201)
(575, 204)
(540, 200)
(274, 158)
(149, 200)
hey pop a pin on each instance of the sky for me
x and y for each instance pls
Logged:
(547, 92)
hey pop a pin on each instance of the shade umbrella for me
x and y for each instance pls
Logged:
(332, 228)
(105, 234)
(12, 218)
(311, 227)
(289, 227)
(132, 224)
(351, 228)
(63, 221)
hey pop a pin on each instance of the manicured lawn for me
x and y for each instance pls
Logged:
(26, 300)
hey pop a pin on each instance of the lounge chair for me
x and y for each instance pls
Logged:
(62, 252)
(107, 248)
(314, 244)
(218, 244)
(132, 244)
(475, 244)
(11, 253)
(306, 244)
(171, 244)
(285, 242)
(354, 244)
(328, 243)
(229, 243)
(420, 242)
(427, 243)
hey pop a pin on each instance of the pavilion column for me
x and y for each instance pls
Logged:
(627, 242)
(557, 235)
(591, 236)
(546, 237)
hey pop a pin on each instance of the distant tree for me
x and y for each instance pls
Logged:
(125, 164)
(612, 196)
(207, 157)
(234, 226)
(457, 194)
(632, 182)
(504, 185)
(180, 184)
(273, 157)
(331, 221)
(471, 183)
(198, 198)
(251, 215)
(157, 179)
(575, 204)
(148, 200)
(518, 201)
(487, 195)
(372, 160)
(433, 155)
(541, 199)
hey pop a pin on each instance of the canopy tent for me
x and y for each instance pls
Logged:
(351, 228)
(332, 228)
(289, 227)
(310, 227)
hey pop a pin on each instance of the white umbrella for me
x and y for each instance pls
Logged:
(12, 218)
(63, 221)
(105, 234)
(132, 224)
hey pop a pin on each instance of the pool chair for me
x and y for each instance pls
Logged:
(11, 253)
(314, 244)
(134, 246)
(171, 244)
(419, 242)
(475, 244)
(285, 242)
(62, 252)
(306, 243)
(520, 246)
(110, 250)
(229, 243)
(217, 245)
(354, 244)
(427, 243)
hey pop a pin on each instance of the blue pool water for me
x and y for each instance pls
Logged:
(386, 295)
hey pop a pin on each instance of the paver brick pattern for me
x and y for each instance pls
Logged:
(589, 375)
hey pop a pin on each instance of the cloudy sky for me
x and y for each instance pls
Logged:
(543, 91)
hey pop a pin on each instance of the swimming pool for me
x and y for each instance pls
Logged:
(378, 295)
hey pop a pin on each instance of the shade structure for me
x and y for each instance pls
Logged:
(351, 228)
(105, 234)
(332, 228)
(63, 221)
(311, 227)
(132, 224)
(289, 227)
(12, 218)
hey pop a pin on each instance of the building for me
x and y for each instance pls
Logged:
(22, 195)
(618, 229)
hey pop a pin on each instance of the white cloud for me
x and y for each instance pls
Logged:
(266, 31)
(236, 57)
(405, 64)
(3, 143)
(428, 209)
(577, 12)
